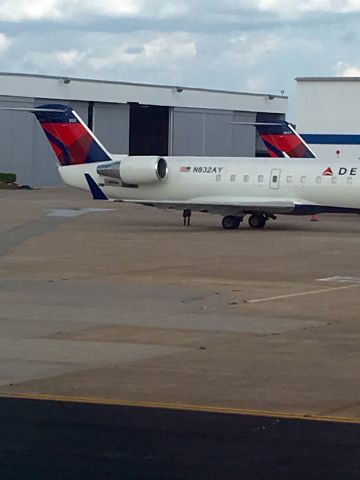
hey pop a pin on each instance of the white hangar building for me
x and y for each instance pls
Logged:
(328, 115)
(129, 118)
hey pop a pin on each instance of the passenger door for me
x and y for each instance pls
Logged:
(275, 178)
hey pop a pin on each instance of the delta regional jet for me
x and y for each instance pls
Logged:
(259, 188)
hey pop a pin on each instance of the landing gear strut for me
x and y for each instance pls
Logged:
(230, 222)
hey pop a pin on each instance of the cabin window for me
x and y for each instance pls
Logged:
(260, 178)
(274, 179)
(218, 178)
(303, 179)
(349, 180)
(289, 179)
(246, 178)
(232, 178)
(318, 179)
(333, 180)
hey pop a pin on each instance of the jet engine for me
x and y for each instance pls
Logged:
(135, 170)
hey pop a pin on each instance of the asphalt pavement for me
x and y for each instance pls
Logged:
(66, 440)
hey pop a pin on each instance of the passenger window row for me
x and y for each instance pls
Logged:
(289, 179)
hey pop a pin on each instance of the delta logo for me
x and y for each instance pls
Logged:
(328, 172)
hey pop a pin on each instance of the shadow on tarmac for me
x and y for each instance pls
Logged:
(65, 440)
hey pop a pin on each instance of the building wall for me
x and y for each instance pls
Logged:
(18, 136)
(210, 133)
(328, 115)
(200, 120)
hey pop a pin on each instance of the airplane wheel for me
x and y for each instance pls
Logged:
(230, 222)
(257, 221)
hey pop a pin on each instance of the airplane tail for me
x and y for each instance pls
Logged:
(281, 140)
(72, 141)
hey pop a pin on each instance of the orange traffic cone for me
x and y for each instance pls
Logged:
(313, 218)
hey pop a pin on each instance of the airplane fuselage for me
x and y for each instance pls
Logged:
(292, 186)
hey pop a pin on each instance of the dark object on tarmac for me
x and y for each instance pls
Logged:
(25, 187)
(187, 216)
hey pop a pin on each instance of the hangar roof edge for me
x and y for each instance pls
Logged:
(138, 84)
(327, 79)
(66, 88)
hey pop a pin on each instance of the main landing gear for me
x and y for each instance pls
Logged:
(230, 222)
(256, 220)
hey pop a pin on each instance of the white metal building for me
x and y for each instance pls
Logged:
(134, 119)
(328, 115)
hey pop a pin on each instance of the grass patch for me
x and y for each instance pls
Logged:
(7, 177)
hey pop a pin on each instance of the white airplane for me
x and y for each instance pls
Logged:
(232, 187)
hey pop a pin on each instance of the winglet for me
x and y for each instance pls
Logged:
(96, 191)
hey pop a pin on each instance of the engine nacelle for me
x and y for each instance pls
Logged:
(135, 170)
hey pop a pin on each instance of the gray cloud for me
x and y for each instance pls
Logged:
(236, 45)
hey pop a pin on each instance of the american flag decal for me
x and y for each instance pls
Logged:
(185, 169)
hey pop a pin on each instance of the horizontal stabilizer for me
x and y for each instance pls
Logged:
(254, 124)
(32, 110)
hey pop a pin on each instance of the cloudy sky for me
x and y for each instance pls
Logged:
(242, 45)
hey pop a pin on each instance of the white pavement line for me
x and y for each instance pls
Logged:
(300, 294)
(338, 279)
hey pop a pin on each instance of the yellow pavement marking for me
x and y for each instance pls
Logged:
(300, 294)
(183, 407)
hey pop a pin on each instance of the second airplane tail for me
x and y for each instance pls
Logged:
(281, 140)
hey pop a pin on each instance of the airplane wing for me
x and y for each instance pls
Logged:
(228, 207)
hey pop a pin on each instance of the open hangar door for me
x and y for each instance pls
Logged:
(149, 130)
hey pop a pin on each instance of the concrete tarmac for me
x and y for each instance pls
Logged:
(121, 302)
